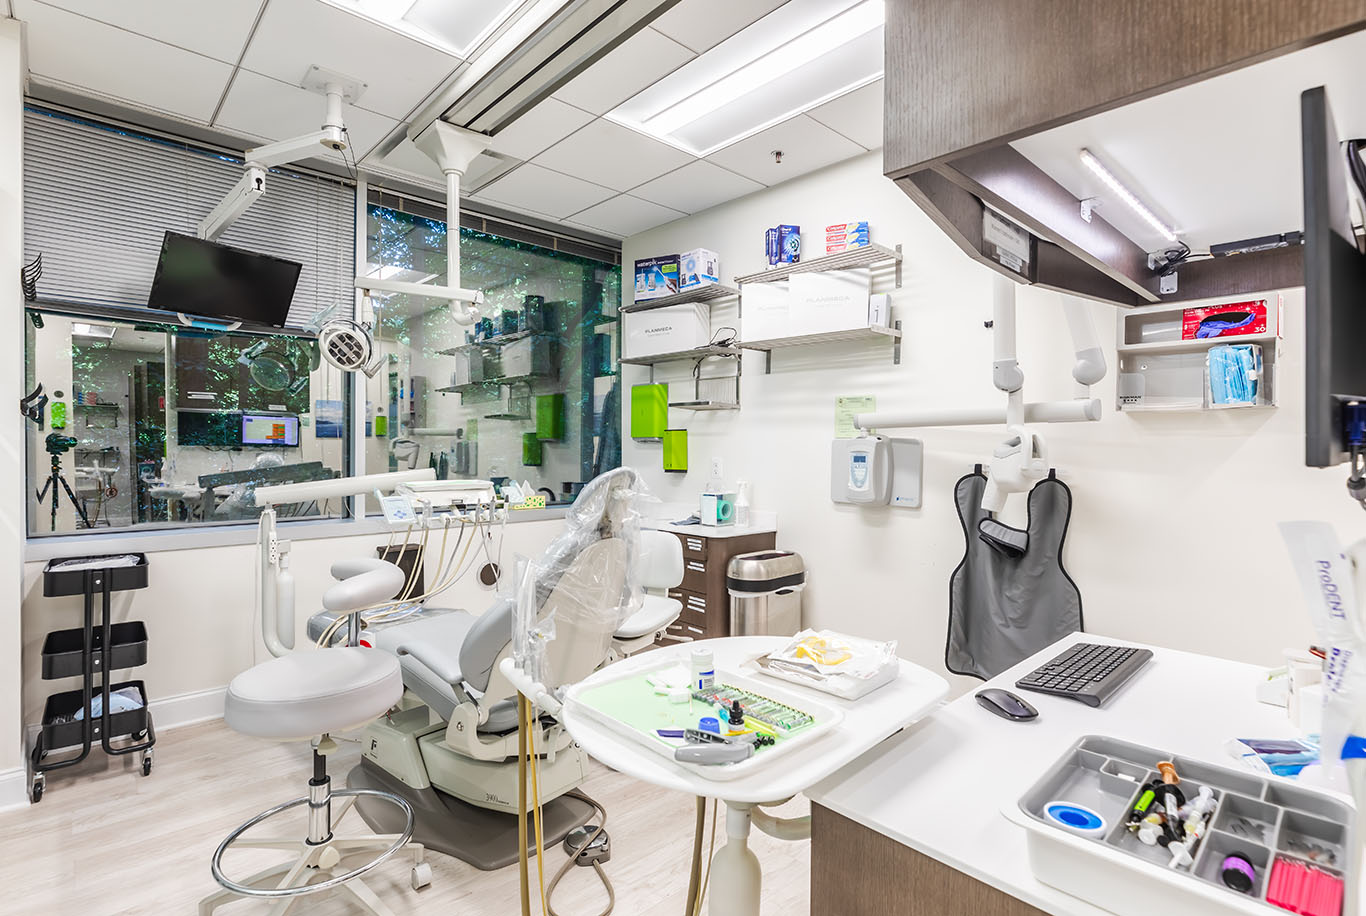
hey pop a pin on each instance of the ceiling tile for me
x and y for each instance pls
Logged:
(636, 63)
(701, 24)
(806, 146)
(273, 110)
(695, 187)
(625, 215)
(542, 126)
(112, 62)
(530, 187)
(613, 156)
(857, 115)
(399, 72)
(217, 30)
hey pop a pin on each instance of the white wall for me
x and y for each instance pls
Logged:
(11, 384)
(1173, 538)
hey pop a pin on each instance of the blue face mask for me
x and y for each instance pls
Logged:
(1232, 375)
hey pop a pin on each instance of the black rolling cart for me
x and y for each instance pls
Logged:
(93, 650)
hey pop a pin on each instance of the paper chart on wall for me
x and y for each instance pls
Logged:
(846, 409)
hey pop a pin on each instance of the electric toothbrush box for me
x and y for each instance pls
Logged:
(698, 268)
(1233, 319)
(656, 277)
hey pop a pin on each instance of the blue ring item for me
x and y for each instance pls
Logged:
(709, 724)
(1074, 817)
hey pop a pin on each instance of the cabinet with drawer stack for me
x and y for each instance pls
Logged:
(706, 555)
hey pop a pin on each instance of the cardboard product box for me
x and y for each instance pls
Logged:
(528, 356)
(469, 365)
(879, 310)
(789, 244)
(698, 268)
(666, 330)
(841, 237)
(771, 246)
(1232, 319)
(656, 277)
(835, 300)
(766, 311)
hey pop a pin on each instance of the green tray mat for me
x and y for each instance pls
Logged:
(632, 702)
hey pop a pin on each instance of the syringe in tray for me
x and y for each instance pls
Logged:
(770, 712)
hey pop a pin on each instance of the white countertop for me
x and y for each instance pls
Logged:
(865, 723)
(940, 786)
(713, 531)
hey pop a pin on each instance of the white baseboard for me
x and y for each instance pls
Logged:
(13, 789)
(188, 708)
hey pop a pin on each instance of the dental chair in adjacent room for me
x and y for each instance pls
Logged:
(450, 749)
(309, 695)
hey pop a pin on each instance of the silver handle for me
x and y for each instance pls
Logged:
(200, 395)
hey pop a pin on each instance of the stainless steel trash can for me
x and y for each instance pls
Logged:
(766, 593)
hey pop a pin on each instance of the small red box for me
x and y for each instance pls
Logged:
(1233, 319)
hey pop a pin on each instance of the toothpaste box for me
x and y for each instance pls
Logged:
(789, 244)
(656, 277)
(841, 237)
(698, 268)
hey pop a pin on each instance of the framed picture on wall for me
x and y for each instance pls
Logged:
(328, 422)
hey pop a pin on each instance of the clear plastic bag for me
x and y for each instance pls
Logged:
(573, 599)
(845, 666)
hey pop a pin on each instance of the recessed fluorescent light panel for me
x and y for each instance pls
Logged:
(804, 53)
(97, 331)
(1129, 197)
(456, 26)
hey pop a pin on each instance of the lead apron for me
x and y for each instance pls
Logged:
(1003, 609)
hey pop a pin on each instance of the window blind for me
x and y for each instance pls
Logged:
(97, 201)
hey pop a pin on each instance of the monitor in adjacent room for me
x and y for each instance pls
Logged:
(209, 280)
(1335, 284)
(266, 429)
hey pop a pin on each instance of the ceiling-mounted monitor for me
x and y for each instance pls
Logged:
(210, 280)
(1335, 288)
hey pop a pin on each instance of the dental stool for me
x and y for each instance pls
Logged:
(309, 695)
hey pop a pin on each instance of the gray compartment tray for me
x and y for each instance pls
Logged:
(1263, 819)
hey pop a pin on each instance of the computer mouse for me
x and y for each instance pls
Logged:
(1005, 704)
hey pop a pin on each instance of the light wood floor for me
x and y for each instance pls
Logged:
(104, 841)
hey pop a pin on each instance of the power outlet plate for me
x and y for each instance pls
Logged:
(716, 469)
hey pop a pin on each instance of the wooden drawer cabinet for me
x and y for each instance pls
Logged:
(706, 603)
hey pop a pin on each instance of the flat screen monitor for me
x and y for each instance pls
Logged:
(203, 278)
(1334, 287)
(264, 429)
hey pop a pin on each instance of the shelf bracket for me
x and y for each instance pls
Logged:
(899, 261)
(896, 341)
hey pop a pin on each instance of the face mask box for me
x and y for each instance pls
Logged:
(666, 330)
(826, 301)
(698, 268)
(656, 277)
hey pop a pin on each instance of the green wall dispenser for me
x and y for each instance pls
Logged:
(649, 411)
(676, 451)
(550, 417)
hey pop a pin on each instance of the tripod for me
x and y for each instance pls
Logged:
(51, 484)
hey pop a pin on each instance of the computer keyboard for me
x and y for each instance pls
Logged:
(1086, 672)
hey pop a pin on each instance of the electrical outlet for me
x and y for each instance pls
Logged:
(716, 468)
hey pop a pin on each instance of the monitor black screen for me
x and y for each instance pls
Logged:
(1335, 287)
(204, 278)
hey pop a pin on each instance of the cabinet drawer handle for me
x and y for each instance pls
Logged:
(694, 566)
(199, 395)
(697, 631)
(694, 544)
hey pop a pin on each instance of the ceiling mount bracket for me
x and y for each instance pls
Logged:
(1089, 206)
(322, 81)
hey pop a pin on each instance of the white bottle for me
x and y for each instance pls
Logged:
(742, 503)
(703, 669)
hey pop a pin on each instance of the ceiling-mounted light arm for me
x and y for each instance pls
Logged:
(332, 135)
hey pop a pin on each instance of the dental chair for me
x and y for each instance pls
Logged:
(450, 747)
(309, 695)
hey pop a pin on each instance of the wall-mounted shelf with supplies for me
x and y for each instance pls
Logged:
(1160, 369)
(714, 292)
(872, 332)
(877, 257)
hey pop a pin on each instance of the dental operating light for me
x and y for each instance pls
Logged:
(1129, 197)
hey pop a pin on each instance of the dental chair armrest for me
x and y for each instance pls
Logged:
(362, 583)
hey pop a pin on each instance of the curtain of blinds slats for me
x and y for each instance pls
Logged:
(97, 201)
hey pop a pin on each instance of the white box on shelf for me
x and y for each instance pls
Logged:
(666, 330)
(879, 310)
(469, 365)
(835, 300)
(529, 355)
(698, 268)
(765, 310)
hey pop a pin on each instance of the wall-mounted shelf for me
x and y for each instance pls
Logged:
(1159, 371)
(871, 256)
(872, 332)
(500, 340)
(694, 353)
(710, 293)
(704, 405)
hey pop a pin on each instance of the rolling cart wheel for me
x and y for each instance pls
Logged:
(146, 764)
(37, 793)
(422, 875)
